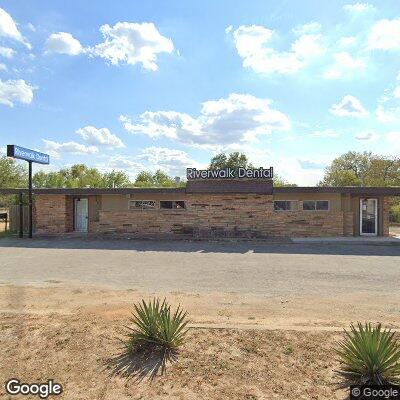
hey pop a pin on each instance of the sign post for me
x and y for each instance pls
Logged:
(31, 156)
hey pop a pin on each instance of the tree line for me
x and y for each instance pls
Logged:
(350, 169)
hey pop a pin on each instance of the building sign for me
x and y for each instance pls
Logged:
(230, 173)
(27, 154)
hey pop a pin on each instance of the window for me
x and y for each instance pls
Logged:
(285, 205)
(176, 205)
(316, 205)
(142, 205)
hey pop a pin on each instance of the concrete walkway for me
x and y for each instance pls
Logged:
(364, 240)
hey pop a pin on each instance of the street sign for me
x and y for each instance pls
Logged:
(32, 156)
(27, 154)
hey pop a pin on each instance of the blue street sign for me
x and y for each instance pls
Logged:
(27, 154)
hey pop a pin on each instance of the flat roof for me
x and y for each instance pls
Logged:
(351, 190)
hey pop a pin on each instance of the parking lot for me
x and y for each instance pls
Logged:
(242, 280)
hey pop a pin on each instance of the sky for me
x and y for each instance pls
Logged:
(135, 85)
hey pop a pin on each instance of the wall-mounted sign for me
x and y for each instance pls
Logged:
(230, 173)
(27, 154)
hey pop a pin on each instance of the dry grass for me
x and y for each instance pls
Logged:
(77, 351)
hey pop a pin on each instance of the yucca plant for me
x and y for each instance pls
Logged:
(155, 325)
(370, 355)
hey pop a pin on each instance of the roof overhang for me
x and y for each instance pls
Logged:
(218, 187)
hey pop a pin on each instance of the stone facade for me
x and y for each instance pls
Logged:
(206, 215)
(247, 215)
(52, 213)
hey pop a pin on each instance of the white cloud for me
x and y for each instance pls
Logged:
(63, 43)
(132, 43)
(172, 161)
(311, 27)
(15, 90)
(99, 136)
(367, 136)
(3, 67)
(396, 92)
(236, 119)
(6, 52)
(349, 106)
(122, 163)
(394, 139)
(55, 148)
(346, 41)
(326, 133)
(253, 44)
(345, 65)
(8, 28)
(359, 7)
(385, 35)
(388, 115)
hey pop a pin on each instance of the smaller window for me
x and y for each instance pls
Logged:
(142, 205)
(322, 205)
(177, 205)
(316, 205)
(285, 205)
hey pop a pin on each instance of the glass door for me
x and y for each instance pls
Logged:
(369, 217)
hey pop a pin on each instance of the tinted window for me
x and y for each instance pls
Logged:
(322, 205)
(309, 205)
(172, 204)
(166, 204)
(281, 205)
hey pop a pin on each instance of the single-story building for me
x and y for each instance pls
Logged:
(216, 207)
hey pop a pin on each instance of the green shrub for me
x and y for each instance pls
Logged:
(156, 325)
(370, 355)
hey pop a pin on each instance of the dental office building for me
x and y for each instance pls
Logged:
(222, 203)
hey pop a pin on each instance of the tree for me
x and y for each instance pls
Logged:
(362, 169)
(116, 179)
(12, 175)
(80, 176)
(234, 160)
(158, 179)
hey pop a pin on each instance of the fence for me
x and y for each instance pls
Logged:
(13, 215)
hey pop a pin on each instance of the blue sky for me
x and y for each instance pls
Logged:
(146, 85)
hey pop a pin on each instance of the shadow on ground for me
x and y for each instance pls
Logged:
(202, 246)
(143, 362)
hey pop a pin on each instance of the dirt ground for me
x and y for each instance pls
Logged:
(264, 320)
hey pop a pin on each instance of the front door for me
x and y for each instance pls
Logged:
(81, 215)
(369, 217)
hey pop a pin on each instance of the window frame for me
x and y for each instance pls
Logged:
(142, 209)
(294, 201)
(315, 202)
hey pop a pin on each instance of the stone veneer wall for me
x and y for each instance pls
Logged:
(223, 215)
(52, 213)
(387, 202)
(348, 223)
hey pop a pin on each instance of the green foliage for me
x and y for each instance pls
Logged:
(233, 160)
(12, 175)
(155, 325)
(362, 169)
(80, 176)
(370, 355)
(158, 179)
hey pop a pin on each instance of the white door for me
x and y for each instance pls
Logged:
(81, 215)
(369, 217)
